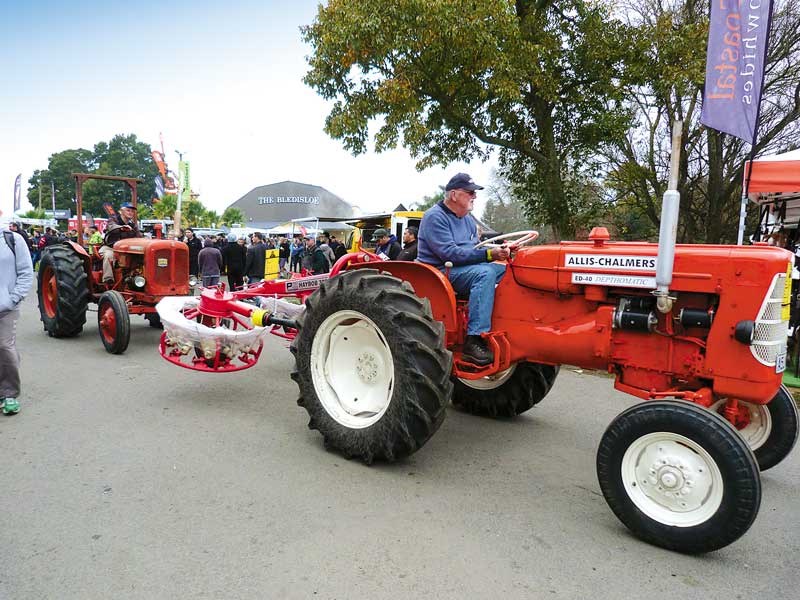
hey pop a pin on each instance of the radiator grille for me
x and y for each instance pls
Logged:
(769, 339)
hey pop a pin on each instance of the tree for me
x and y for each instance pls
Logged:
(165, 208)
(34, 213)
(712, 163)
(122, 156)
(428, 201)
(232, 217)
(542, 81)
(503, 212)
(58, 174)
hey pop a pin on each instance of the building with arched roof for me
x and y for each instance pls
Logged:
(269, 205)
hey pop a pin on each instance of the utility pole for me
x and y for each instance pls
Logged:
(177, 225)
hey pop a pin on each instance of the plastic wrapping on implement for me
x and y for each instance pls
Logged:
(207, 343)
(205, 338)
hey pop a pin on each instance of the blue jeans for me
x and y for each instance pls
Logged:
(478, 281)
(210, 280)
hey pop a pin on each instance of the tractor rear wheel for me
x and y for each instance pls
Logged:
(679, 476)
(773, 428)
(113, 322)
(507, 394)
(372, 367)
(63, 292)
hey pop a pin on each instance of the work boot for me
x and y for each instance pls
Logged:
(10, 406)
(476, 351)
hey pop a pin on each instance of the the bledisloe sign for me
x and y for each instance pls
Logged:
(610, 261)
(737, 46)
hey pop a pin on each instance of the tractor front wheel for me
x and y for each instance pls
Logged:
(373, 371)
(113, 322)
(506, 394)
(155, 320)
(772, 429)
(63, 293)
(679, 476)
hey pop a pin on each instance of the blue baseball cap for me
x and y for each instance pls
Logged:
(462, 181)
(128, 205)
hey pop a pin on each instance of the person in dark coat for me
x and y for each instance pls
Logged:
(338, 247)
(387, 246)
(255, 265)
(210, 262)
(296, 255)
(234, 255)
(195, 245)
(409, 251)
(284, 253)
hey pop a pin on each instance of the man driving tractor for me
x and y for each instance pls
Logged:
(120, 226)
(448, 232)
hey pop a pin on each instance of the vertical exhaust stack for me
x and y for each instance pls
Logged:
(668, 233)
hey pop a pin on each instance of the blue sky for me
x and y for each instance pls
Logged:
(221, 81)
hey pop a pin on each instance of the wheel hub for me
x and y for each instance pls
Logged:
(352, 368)
(669, 479)
(672, 478)
(367, 367)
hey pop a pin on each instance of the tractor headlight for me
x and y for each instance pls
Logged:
(192, 280)
(139, 282)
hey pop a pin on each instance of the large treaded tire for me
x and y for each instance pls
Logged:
(507, 395)
(62, 291)
(679, 476)
(414, 342)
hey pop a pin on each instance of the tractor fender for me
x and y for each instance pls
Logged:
(427, 282)
(79, 249)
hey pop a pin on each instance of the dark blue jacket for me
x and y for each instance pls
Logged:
(443, 236)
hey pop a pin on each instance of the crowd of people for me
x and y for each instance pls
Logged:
(447, 235)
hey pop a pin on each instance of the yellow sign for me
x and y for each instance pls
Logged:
(786, 303)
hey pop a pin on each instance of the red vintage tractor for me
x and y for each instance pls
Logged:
(697, 332)
(145, 270)
(378, 358)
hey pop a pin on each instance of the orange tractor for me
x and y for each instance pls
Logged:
(145, 270)
(378, 358)
(696, 332)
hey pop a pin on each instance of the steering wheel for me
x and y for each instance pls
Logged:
(518, 238)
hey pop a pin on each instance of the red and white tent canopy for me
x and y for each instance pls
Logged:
(774, 177)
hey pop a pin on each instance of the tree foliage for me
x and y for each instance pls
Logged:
(232, 217)
(541, 81)
(712, 163)
(428, 201)
(124, 155)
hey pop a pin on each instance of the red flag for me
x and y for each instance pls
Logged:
(303, 230)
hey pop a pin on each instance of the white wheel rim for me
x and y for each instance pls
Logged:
(490, 382)
(672, 479)
(352, 369)
(757, 431)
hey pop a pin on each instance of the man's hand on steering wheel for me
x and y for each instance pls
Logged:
(500, 253)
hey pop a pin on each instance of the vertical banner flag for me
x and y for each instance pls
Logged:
(186, 192)
(17, 192)
(737, 49)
